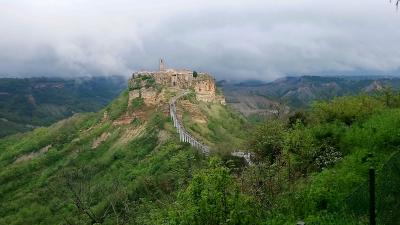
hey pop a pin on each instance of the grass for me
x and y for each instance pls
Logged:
(144, 168)
(224, 129)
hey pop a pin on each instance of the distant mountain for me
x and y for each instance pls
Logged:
(299, 92)
(31, 102)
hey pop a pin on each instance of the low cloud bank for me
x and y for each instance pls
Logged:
(241, 40)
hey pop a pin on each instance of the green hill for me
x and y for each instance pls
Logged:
(126, 156)
(126, 165)
(33, 102)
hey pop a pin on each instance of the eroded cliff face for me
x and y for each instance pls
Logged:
(151, 85)
(151, 96)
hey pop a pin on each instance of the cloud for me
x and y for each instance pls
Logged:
(240, 39)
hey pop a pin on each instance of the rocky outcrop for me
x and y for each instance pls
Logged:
(202, 83)
(150, 96)
(205, 88)
(33, 155)
(374, 86)
(103, 137)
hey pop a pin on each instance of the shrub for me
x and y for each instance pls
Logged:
(266, 140)
(301, 144)
(136, 122)
(346, 109)
(212, 197)
(137, 103)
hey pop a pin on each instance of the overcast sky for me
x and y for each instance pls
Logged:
(232, 39)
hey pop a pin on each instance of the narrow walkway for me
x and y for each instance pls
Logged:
(185, 136)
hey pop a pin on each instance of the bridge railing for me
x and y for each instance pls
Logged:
(185, 136)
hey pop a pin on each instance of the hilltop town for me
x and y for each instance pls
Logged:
(149, 84)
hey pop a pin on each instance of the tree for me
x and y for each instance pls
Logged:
(266, 140)
(195, 74)
(298, 116)
(279, 109)
(212, 197)
(265, 182)
(346, 109)
(88, 202)
(300, 150)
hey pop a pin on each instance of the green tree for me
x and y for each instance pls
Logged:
(300, 150)
(348, 109)
(75, 191)
(212, 197)
(195, 74)
(266, 140)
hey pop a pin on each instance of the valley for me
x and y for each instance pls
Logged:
(34, 102)
(260, 98)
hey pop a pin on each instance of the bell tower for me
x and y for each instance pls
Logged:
(162, 65)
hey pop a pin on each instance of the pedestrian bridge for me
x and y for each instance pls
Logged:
(185, 136)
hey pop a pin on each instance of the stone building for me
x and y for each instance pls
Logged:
(202, 83)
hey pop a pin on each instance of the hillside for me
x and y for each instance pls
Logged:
(127, 155)
(126, 164)
(298, 92)
(215, 124)
(33, 102)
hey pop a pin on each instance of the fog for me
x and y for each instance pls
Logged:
(264, 39)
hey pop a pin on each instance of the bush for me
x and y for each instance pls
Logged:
(136, 122)
(266, 140)
(347, 109)
(301, 145)
(118, 106)
(212, 197)
(137, 103)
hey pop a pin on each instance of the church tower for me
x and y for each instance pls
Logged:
(162, 65)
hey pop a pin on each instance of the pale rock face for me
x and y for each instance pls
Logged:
(205, 89)
(150, 96)
(221, 100)
(132, 95)
(100, 140)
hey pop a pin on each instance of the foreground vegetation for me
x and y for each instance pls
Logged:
(315, 165)
(311, 166)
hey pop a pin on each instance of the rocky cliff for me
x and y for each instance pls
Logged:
(153, 86)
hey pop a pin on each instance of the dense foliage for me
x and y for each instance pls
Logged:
(312, 166)
(322, 159)
(118, 182)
